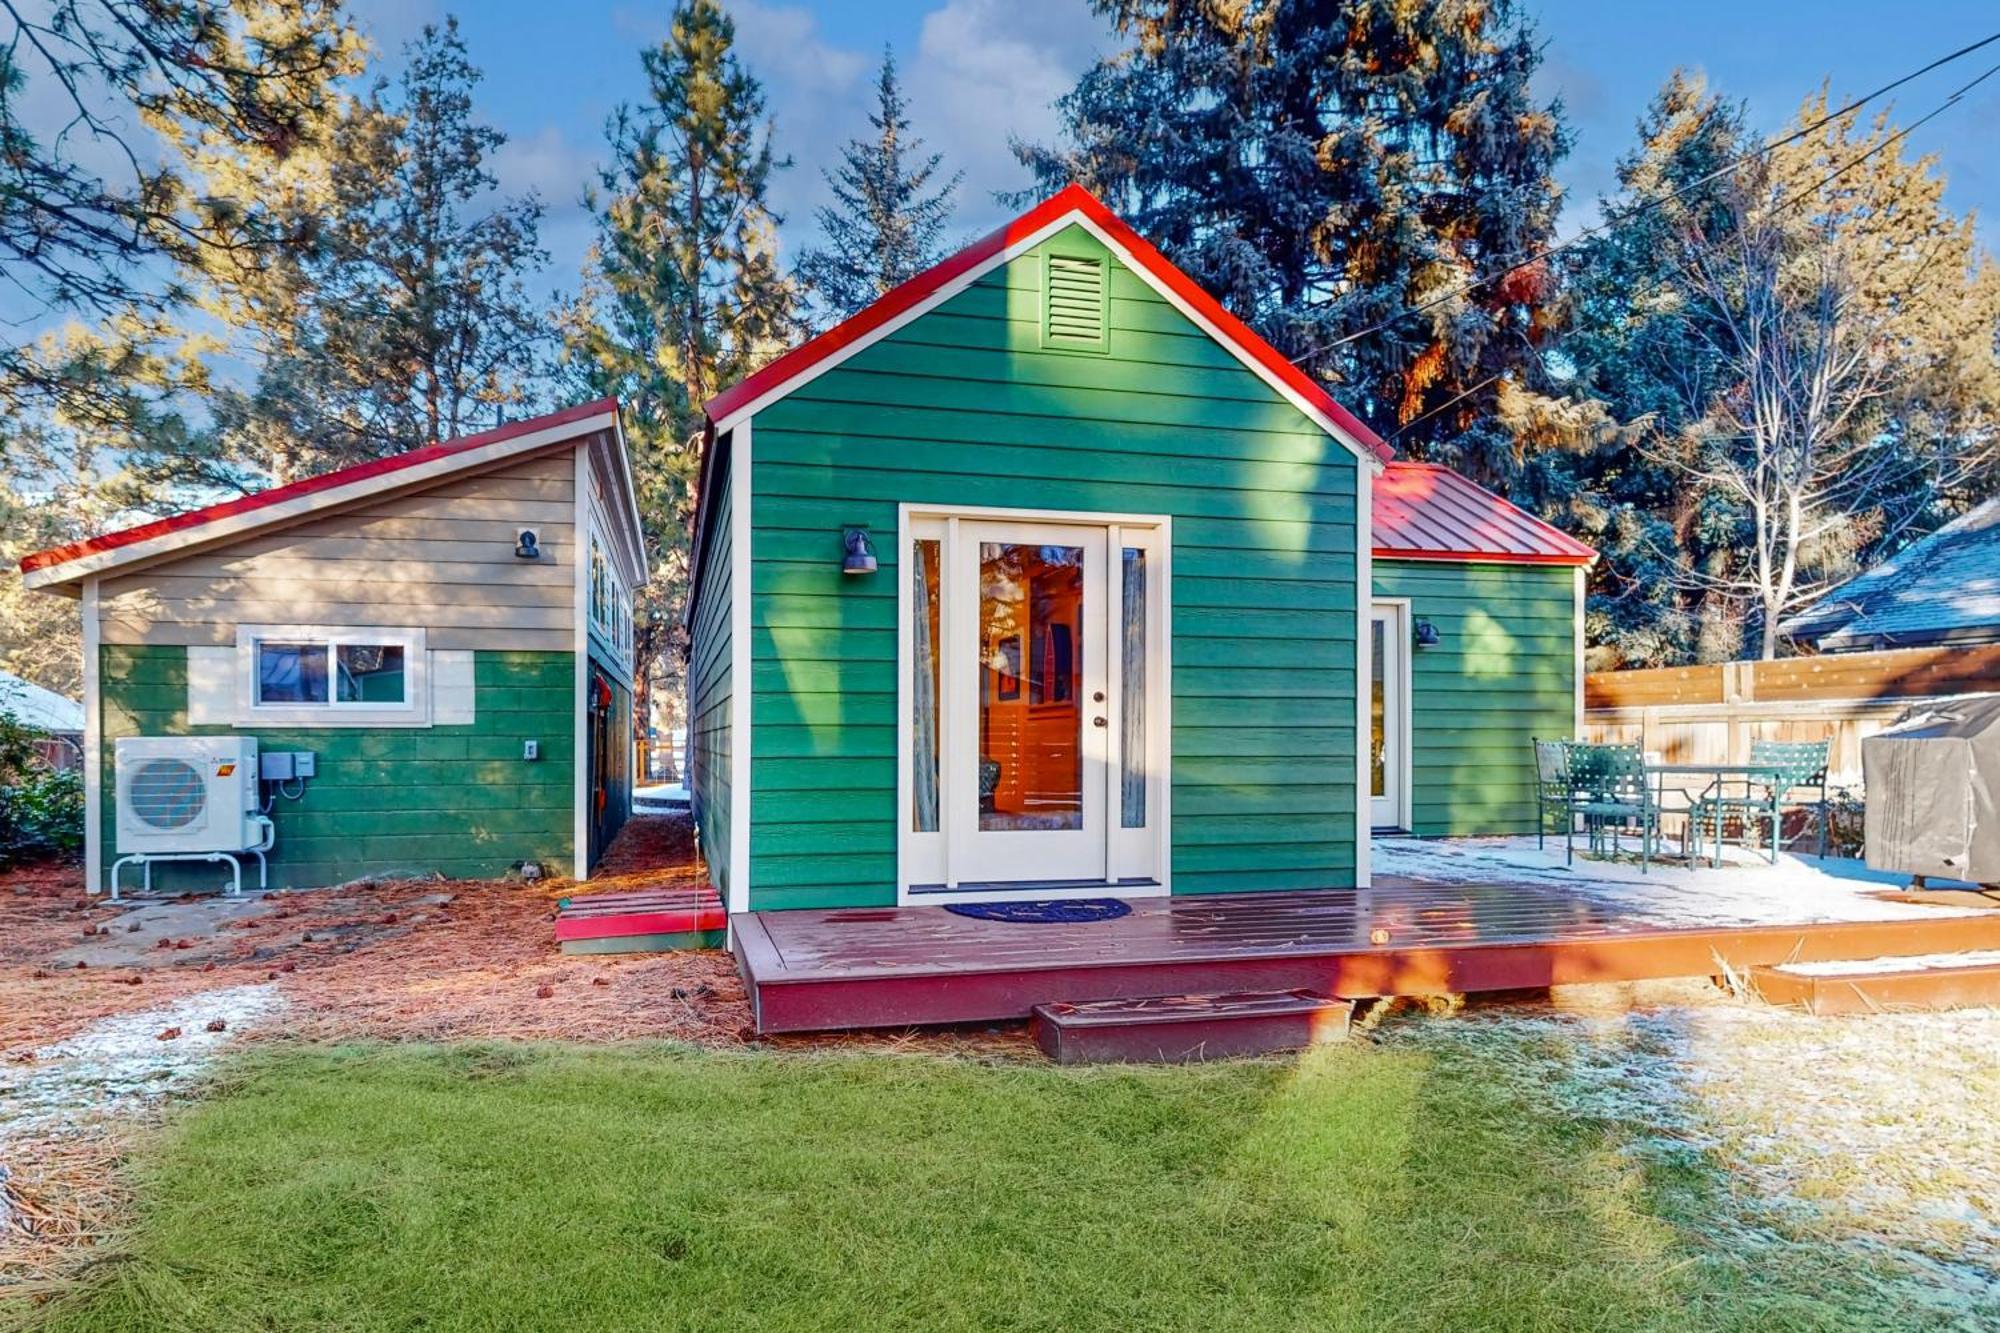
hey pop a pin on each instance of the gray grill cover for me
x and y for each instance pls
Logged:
(1932, 781)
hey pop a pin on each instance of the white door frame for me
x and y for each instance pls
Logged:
(1139, 863)
(1392, 809)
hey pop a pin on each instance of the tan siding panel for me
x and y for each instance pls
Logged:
(441, 559)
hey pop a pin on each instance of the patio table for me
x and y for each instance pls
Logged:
(1718, 775)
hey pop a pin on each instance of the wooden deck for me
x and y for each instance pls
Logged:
(893, 967)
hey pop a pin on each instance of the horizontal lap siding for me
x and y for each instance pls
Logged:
(964, 407)
(711, 689)
(1503, 674)
(454, 800)
(441, 559)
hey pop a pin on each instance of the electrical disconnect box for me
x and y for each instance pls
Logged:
(284, 765)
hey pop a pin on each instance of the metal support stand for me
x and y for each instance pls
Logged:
(145, 861)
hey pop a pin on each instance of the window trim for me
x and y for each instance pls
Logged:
(414, 710)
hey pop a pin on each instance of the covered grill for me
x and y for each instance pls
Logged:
(1933, 780)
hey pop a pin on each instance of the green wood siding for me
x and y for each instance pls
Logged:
(1504, 674)
(965, 406)
(456, 800)
(710, 687)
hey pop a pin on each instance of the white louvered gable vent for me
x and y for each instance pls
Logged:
(1076, 312)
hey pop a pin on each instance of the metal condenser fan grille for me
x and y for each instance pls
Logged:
(167, 793)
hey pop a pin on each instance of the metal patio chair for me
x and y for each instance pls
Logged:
(1793, 764)
(1620, 797)
(1556, 792)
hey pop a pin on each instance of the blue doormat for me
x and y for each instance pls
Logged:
(1045, 911)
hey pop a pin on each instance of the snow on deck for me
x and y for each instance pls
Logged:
(1928, 962)
(1745, 891)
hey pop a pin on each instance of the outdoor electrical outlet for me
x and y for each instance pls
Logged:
(531, 749)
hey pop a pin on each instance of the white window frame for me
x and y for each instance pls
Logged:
(415, 710)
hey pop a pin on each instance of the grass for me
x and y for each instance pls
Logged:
(655, 1187)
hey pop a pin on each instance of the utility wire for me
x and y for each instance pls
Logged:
(1648, 205)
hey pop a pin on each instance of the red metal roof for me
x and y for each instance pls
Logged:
(1070, 199)
(193, 518)
(1426, 512)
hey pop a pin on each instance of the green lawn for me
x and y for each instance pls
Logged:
(653, 1187)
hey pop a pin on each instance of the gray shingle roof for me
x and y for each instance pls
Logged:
(36, 708)
(1945, 587)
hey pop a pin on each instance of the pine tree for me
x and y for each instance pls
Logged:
(886, 220)
(1323, 167)
(682, 292)
(411, 321)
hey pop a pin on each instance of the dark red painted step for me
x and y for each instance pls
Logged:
(649, 918)
(1891, 989)
(1172, 1029)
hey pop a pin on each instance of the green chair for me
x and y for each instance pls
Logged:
(1556, 792)
(1793, 765)
(1620, 796)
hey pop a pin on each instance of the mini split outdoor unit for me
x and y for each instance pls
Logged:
(189, 798)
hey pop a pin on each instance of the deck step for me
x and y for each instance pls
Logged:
(1884, 985)
(641, 921)
(1174, 1029)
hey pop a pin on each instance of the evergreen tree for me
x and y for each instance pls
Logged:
(682, 293)
(1323, 166)
(411, 321)
(886, 220)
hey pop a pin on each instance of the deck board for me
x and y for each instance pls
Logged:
(875, 967)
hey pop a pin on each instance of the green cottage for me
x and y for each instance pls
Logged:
(420, 664)
(1045, 577)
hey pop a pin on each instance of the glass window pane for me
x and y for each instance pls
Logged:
(924, 688)
(1378, 769)
(1132, 672)
(370, 673)
(291, 672)
(1030, 752)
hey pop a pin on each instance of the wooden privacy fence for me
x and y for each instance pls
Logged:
(1710, 714)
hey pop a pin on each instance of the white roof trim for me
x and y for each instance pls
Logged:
(964, 280)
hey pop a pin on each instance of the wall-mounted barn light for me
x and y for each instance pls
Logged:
(860, 557)
(528, 546)
(1426, 635)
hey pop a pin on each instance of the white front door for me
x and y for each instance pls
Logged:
(1388, 711)
(1035, 706)
(1028, 689)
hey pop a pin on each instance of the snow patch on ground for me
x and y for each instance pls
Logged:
(1747, 891)
(1928, 962)
(1873, 1135)
(121, 1064)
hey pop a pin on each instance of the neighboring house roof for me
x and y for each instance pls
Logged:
(65, 566)
(38, 709)
(1422, 511)
(1071, 205)
(1942, 589)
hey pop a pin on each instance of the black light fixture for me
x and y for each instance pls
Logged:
(860, 557)
(1426, 635)
(528, 546)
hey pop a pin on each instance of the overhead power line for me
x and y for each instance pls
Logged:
(1548, 252)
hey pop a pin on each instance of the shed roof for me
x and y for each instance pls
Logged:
(1426, 512)
(38, 709)
(63, 566)
(1944, 588)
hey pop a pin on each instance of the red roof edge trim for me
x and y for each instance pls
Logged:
(1481, 557)
(1070, 199)
(161, 527)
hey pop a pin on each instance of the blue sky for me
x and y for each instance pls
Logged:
(978, 70)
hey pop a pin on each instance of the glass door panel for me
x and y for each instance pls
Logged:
(1030, 752)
